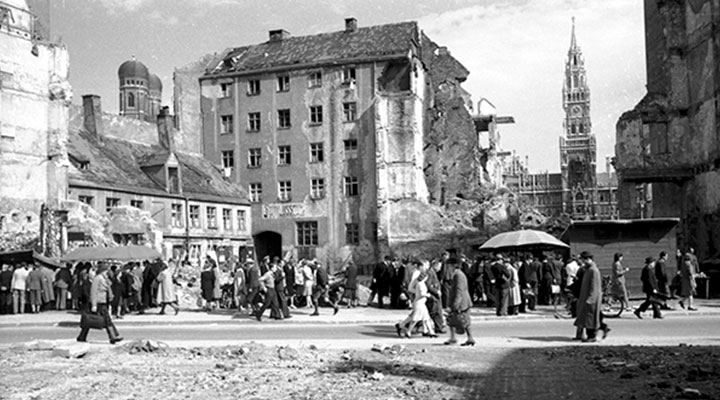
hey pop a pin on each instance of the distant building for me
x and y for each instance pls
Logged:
(34, 101)
(578, 190)
(121, 166)
(326, 132)
(140, 91)
(668, 147)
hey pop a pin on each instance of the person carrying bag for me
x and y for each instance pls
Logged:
(100, 297)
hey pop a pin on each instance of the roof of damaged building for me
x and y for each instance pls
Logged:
(121, 165)
(362, 43)
(441, 64)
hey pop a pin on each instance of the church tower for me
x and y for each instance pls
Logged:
(577, 145)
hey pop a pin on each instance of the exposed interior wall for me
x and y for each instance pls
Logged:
(186, 104)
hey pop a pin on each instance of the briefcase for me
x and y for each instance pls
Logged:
(92, 321)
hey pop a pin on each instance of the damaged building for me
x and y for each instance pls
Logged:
(668, 147)
(332, 135)
(130, 183)
(34, 102)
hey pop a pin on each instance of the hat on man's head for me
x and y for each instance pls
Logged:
(648, 260)
(102, 267)
(586, 254)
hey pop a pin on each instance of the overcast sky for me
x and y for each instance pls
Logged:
(515, 49)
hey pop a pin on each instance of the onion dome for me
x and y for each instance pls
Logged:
(133, 69)
(154, 83)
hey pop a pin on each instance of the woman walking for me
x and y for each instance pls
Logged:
(687, 282)
(166, 290)
(420, 313)
(619, 289)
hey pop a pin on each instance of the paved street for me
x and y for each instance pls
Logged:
(540, 332)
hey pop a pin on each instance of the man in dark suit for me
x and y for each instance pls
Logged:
(662, 277)
(529, 278)
(459, 304)
(253, 283)
(502, 276)
(381, 282)
(322, 285)
(650, 288)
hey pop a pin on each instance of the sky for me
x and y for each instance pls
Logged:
(515, 50)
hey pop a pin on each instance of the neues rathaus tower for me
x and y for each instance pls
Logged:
(577, 145)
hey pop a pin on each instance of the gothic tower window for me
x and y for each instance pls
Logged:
(581, 128)
(573, 129)
(131, 100)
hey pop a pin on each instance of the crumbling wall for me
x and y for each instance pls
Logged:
(186, 104)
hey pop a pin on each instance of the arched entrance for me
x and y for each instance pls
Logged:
(268, 243)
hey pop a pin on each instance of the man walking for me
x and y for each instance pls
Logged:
(589, 315)
(502, 277)
(321, 288)
(380, 282)
(63, 280)
(662, 278)
(650, 288)
(100, 297)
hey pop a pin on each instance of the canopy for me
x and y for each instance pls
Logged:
(524, 239)
(122, 253)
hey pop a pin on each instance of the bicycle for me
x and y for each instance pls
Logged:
(611, 305)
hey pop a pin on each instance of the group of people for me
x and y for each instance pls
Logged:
(281, 285)
(32, 288)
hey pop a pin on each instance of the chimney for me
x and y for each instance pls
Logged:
(165, 129)
(92, 115)
(278, 35)
(350, 24)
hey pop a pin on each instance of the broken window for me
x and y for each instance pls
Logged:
(254, 157)
(315, 79)
(226, 124)
(284, 155)
(284, 119)
(228, 159)
(136, 204)
(110, 203)
(352, 186)
(255, 192)
(351, 147)
(284, 190)
(86, 199)
(349, 111)
(253, 87)
(348, 75)
(316, 152)
(283, 83)
(225, 89)
(317, 188)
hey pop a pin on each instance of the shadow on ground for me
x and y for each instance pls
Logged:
(589, 372)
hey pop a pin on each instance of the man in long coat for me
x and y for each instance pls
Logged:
(459, 303)
(589, 316)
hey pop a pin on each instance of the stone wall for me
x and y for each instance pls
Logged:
(186, 104)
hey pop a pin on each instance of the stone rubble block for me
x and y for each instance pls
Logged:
(71, 351)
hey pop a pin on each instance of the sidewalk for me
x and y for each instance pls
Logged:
(359, 315)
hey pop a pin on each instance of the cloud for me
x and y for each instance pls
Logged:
(117, 6)
(168, 6)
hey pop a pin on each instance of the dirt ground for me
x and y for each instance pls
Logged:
(254, 371)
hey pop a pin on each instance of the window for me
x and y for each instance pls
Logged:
(131, 100)
(176, 218)
(173, 180)
(255, 192)
(195, 216)
(253, 88)
(283, 83)
(136, 204)
(254, 121)
(352, 234)
(254, 157)
(228, 159)
(307, 233)
(284, 190)
(316, 152)
(283, 118)
(241, 224)
(348, 75)
(211, 215)
(315, 79)
(86, 199)
(284, 155)
(349, 111)
(316, 115)
(226, 124)
(227, 219)
(317, 188)
(110, 203)
(225, 89)
(352, 186)
(351, 147)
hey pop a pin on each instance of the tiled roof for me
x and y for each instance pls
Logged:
(116, 165)
(363, 43)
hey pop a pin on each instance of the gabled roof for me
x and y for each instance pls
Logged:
(116, 164)
(364, 43)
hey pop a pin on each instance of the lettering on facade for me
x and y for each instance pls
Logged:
(284, 210)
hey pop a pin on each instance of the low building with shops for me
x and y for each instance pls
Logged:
(128, 180)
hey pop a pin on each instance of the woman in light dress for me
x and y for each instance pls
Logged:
(308, 282)
(419, 313)
(514, 299)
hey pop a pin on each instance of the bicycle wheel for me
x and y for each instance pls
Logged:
(611, 307)
(561, 307)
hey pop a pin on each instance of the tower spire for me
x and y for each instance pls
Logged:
(573, 42)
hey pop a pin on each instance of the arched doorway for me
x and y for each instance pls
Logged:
(268, 243)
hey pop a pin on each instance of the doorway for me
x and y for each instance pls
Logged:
(268, 243)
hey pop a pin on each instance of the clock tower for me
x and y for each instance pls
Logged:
(577, 145)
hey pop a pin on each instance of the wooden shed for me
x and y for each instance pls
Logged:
(636, 239)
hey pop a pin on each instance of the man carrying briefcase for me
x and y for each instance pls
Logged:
(100, 297)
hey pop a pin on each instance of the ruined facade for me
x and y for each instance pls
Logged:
(34, 101)
(578, 190)
(129, 183)
(327, 132)
(668, 146)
